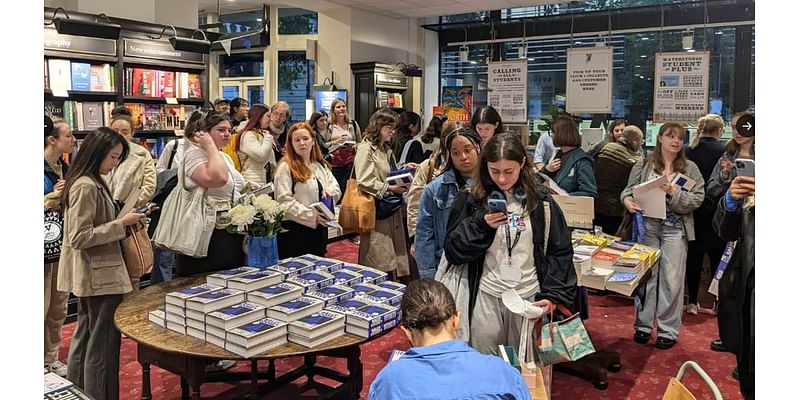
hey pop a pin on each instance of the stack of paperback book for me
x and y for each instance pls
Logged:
(198, 307)
(256, 337)
(317, 328)
(176, 305)
(223, 320)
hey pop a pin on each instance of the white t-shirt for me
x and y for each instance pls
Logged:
(195, 157)
(163, 161)
(337, 132)
(521, 256)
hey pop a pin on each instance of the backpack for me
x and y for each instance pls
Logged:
(232, 148)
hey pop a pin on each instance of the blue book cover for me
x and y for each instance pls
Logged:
(217, 295)
(81, 77)
(622, 276)
(374, 276)
(352, 267)
(276, 290)
(297, 304)
(318, 319)
(372, 315)
(328, 265)
(349, 306)
(387, 296)
(312, 280)
(194, 291)
(393, 286)
(333, 294)
(254, 277)
(235, 310)
(346, 277)
(258, 327)
(365, 288)
(235, 271)
(309, 257)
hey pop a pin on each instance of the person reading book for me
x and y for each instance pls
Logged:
(302, 179)
(439, 365)
(663, 299)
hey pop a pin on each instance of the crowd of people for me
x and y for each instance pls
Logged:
(442, 225)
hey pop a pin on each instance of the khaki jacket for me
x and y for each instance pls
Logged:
(91, 262)
(137, 171)
(255, 153)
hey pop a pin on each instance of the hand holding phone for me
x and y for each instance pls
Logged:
(146, 209)
(745, 167)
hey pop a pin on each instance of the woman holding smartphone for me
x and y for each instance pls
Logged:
(663, 300)
(302, 179)
(572, 169)
(342, 130)
(739, 146)
(93, 267)
(507, 250)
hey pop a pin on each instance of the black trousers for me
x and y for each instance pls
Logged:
(706, 242)
(609, 223)
(224, 252)
(342, 174)
(300, 240)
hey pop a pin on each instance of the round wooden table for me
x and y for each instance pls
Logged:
(188, 357)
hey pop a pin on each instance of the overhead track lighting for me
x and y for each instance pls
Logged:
(688, 40)
(97, 29)
(187, 44)
(463, 52)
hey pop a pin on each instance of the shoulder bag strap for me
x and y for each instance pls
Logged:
(176, 143)
(546, 205)
(404, 154)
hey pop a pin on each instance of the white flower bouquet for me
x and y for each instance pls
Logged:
(257, 216)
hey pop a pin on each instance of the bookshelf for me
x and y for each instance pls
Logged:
(379, 85)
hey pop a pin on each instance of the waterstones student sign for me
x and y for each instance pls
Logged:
(589, 79)
(680, 92)
(508, 90)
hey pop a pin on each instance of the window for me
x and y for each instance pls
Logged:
(295, 81)
(242, 21)
(241, 64)
(297, 21)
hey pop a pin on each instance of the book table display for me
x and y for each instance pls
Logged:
(235, 315)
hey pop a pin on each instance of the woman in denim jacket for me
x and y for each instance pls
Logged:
(461, 149)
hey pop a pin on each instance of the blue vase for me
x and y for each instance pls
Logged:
(262, 251)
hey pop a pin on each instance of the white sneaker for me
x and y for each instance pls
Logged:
(58, 368)
(692, 309)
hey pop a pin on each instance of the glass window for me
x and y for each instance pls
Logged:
(297, 21)
(473, 16)
(242, 21)
(241, 64)
(295, 81)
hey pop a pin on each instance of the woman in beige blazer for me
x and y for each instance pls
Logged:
(92, 267)
(385, 247)
(256, 153)
(138, 171)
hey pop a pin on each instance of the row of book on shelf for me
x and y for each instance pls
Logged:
(388, 99)
(605, 262)
(60, 75)
(306, 300)
(147, 82)
(90, 115)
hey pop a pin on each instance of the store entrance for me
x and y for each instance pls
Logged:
(251, 89)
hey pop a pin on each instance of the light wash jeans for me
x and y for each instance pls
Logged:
(663, 300)
(163, 265)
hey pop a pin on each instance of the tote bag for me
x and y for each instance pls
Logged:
(187, 220)
(137, 251)
(357, 212)
(562, 341)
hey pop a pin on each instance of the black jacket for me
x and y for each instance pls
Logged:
(469, 237)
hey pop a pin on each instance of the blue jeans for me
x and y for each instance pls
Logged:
(163, 265)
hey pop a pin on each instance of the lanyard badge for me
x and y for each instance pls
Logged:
(508, 272)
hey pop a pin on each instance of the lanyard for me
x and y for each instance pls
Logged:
(510, 245)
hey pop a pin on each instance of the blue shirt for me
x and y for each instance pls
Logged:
(544, 149)
(731, 205)
(448, 370)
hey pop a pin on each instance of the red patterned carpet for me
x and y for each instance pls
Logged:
(645, 369)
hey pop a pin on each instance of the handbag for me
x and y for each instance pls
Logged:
(357, 212)
(387, 205)
(187, 220)
(562, 341)
(137, 251)
(53, 235)
(454, 278)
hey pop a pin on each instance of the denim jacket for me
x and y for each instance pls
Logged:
(434, 207)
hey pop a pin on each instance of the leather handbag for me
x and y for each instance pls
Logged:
(386, 206)
(187, 220)
(562, 341)
(137, 251)
(357, 212)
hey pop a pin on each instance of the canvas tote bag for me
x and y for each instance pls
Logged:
(357, 212)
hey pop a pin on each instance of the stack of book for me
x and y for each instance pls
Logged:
(371, 319)
(393, 285)
(276, 294)
(61, 75)
(371, 275)
(256, 337)
(198, 307)
(221, 278)
(293, 310)
(385, 296)
(347, 277)
(333, 294)
(220, 321)
(176, 305)
(255, 280)
(156, 83)
(292, 267)
(317, 328)
(158, 317)
(364, 288)
(312, 280)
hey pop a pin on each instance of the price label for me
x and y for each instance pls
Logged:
(172, 100)
(60, 93)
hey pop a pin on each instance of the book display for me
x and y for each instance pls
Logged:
(605, 262)
(248, 311)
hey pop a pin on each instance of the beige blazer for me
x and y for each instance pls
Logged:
(91, 262)
(255, 153)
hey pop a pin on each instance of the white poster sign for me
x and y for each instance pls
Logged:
(680, 92)
(589, 79)
(508, 90)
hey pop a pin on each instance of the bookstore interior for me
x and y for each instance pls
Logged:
(274, 202)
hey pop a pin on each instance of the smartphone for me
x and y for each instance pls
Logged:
(147, 207)
(497, 203)
(745, 167)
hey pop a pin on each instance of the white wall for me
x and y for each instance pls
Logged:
(181, 13)
(334, 50)
(430, 71)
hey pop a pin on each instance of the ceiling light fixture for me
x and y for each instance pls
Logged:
(97, 29)
(688, 39)
(186, 44)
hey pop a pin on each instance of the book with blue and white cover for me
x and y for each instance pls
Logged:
(347, 278)
(235, 315)
(371, 315)
(198, 306)
(353, 267)
(393, 286)
(328, 265)
(221, 278)
(255, 280)
(313, 280)
(295, 309)
(317, 324)
(261, 348)
(254, 333)
(292, 267)
(158, 317)
(348, 306)
(332, 294)
(372, 331)
(196, 333)
(312, 258)
(179, 297)
(81, 76)
(372, 275)
(275, 294)
(365, 288)
(387, 296)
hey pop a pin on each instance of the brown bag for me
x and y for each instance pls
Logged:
(357, 212)
(137, 251)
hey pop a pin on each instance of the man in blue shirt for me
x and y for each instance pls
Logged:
(544, 150)
(439, 366)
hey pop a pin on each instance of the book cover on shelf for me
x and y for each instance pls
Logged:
(295, 309)
(137, 114)
(59, 74)
(195, 86)
(371, 331)
(397, 286)
(333, 294)
(139, 81)
(92, 115)
(275, 294)
(158, 317)
(168, 84)
(207, 302)
(257, 332)
(364, 288)
(54, 108)
(386, 296)
(312, 280)
(179, 297)
(347, 278)
(371, 315)
(317, 324)
(257, 349)
(255, 280)
(235, 315)
(99, 81)
(221, 278)
(152, 117)
(81, 76)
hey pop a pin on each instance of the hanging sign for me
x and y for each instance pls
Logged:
(160, 51)
(680, 92)
(457, 103)
(79, 44)
(589, 80)
(508, 90)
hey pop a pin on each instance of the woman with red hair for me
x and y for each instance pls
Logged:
(301, 179)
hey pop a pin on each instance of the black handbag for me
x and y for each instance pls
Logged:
(53, 235)
(386, 206)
